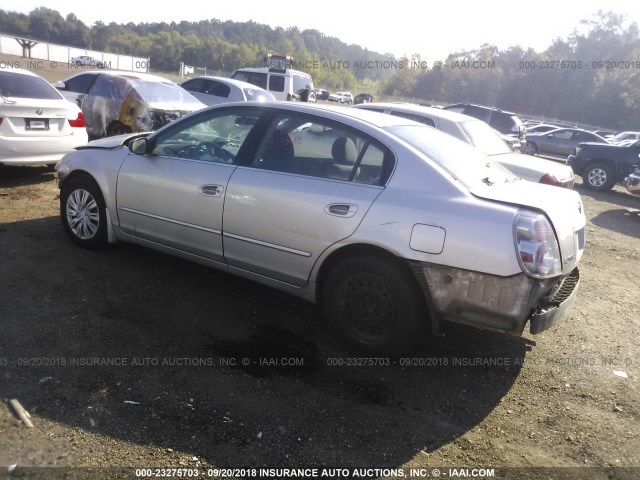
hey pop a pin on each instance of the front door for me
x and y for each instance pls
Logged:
(174, 195)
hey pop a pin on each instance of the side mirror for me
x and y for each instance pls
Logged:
(139, 146)
(550, 135)
(59, 85)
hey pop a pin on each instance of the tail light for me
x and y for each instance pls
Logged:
(78, 122)
(536, 245)
(549, 179)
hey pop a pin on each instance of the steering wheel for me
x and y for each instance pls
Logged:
(217, 152)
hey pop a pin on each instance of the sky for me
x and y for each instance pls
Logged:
(400, 27)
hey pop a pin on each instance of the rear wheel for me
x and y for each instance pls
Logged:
(532, 148)
(375, 304)
(83, 212)
(599, 177)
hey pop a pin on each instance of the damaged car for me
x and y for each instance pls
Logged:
(393, 227)
(115, 103)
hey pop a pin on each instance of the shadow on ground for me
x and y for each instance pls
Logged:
(221, 368)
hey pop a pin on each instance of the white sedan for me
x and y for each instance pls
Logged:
(341, 97)
(213, 90)
(87, 61)
(482, 136)
(37, 125)
(393, 227)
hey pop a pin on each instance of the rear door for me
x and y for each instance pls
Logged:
(309, 185)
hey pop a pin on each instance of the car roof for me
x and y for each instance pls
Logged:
(420, 110)
(19, 71)
(130, 75)
(277, 71)
(376, 119)
(465, 104)
(228, 81)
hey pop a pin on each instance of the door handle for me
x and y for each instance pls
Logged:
(211, 190)
(346, 210)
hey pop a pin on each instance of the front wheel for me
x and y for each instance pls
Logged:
(599, 177)
(375, 304)
(531, 148)
(83, 212)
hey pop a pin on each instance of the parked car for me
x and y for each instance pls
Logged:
(213, 90)
(559, 142)
(86, 61)
(514, 142)
(392, 226)
(604, 165)
(632, 182)
(341, 97)
(322, 94)
(284, 83)
(115, 103)
(623, 137)
(605, 133)
(541, 128)
(37, 125)
(363, 98)
(482, 136)
(505, 122)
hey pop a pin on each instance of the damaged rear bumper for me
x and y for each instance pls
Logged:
(498, 303)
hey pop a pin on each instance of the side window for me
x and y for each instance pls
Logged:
(300, 82)
(218, 89)
(195, 85)
(211, 137)
(583, 137)
(276, 83)
(305, 145)
(81, 83)
(415, 118)
(563, 135)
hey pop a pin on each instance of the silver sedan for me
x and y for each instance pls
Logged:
(392, 226)
(214, 90)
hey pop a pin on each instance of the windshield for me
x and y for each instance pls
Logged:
(157, 92)
(464, 162)
(25, 86)
(485, 138)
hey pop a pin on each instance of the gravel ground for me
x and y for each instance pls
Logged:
(130, 358)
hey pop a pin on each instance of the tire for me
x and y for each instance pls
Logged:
(117, 128)
(599, 177)
(83, 213)
(375, 304)
(78, 64)
(532, 148)
(311, 98)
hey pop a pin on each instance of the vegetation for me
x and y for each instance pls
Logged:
(216, 45)
(591, 77)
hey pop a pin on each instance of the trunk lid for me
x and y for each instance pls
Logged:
(562, 207)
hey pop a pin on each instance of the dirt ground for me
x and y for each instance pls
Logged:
(131, 358)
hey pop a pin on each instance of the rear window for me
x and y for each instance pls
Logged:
(25, 86)
(254, 78)
(463, 161)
